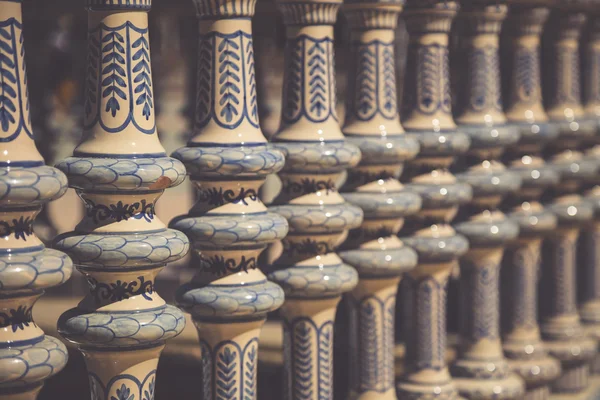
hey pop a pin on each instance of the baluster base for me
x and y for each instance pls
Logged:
(408, 390)
(486, 379)
(538, 371)
(575, 356)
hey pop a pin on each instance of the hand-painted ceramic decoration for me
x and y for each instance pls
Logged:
(27, 356)
(427, 115)
(589, 289)
(591, 69)
(481, 371)
(228, 159)
(561, 327)
(524, 108)
(120, 169)
(562, 69)
(373, 124)
(527, 356)
(312, 276)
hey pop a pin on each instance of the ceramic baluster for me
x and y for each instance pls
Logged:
(561, 327)
(373, 124)
(27, 356)
(228, 159)
(311, 274)
(120, 169)
(481, 371)
(589, 291)
(427, 116)
(523, 346)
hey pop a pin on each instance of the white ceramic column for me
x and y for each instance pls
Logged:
(427, 116)
(312, 275)
(120, 169)
(27, 356)
(228, 159)
(373, 124)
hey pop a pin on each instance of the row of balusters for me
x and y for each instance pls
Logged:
(516, 179)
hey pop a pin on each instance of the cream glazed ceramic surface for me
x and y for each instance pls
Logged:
(591, 68)
(311, 274)
(373, 124)
(561, 327)
(564, 102)
(481, 372)
(228, 159)
(427, 117)
(524, 107)
(120, 169)
(27, 268)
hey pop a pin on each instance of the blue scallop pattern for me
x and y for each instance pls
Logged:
(491, 182)
(240, 160)
(131, 251)
(434, 197)
(380, 205)
(377, 150)
(214, 231)
(438, 249)
(222, 302)
(320, 219)
(127, 330)
(32, 186)
(321, 157)
(34, 270)
(444, 143)
(380, 263)
(317, 281)
(30, 364)
(113, 174)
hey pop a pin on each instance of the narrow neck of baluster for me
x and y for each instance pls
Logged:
(481, 101)
(522, 264)
(371, 107)
(591, 80)
(524, 87)
(309, 89)
(227, 105)
(480, 317)
(564, 98)
(427, 98)
(119, 113)
(561, 286)
(425, 324)
(16, 134)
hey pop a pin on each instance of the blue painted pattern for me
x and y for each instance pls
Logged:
(316, 281)
(322, 157)
(226, 92)
(234, 365)
(310, 355)
(14, 102)
(118, 85)
(233, 161)
(309, 80)
(374, 86)
(222, 302)
(35, 270)
(127, 330)
(104, 5)
(134, 250)
(32, 363)
(123, 387)
(320, 218)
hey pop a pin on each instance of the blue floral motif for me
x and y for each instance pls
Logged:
(149, 393)
(14, 104)
(143, 79)
(119, 68)
(225, 72)
(314, 101)
(113, 75)
(375, 85)
(124, 393)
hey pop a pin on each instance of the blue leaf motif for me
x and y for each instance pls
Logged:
(226, 384)
(143, 79)
(124, 393)
(112, 75)
(229, 78)
(8, 95)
